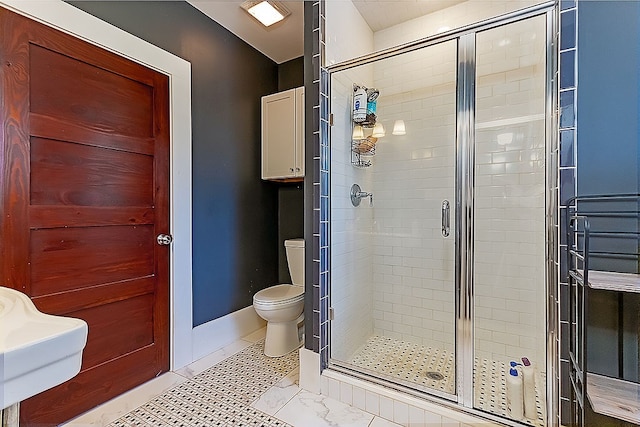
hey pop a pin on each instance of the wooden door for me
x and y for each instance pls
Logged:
(84, 181)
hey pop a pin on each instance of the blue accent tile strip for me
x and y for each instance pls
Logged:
(568, 86)
(567, 112)
(568, 29)
(567, 69)
(319, 174)
(324, 167)
(567, 150)
(312, 214)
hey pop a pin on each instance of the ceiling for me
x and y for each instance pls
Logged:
(280, 42)
(284, 41)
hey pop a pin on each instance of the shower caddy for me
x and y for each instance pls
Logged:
(586, 227)
(363, 114)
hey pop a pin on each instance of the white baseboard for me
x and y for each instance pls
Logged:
(214, 335)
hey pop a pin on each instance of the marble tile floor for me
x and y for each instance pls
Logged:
(416, 364)
(234, 387)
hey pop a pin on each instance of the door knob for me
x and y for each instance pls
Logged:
(164, 239)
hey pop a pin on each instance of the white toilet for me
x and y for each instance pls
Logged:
(282, 305)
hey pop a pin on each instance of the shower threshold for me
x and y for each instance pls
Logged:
(433, 369)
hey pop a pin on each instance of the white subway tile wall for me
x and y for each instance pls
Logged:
(509, 197)
(459, 15)
(392, 270)
(351, 227)
(348, 36)
(413, 264)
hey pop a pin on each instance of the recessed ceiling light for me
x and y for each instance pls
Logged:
(267, 12)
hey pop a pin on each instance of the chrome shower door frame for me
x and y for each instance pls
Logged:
(465, 143)
(464, 207)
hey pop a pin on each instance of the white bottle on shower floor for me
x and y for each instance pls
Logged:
(515, 396)
(529, 385)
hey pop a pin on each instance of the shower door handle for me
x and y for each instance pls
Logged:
(446, 218)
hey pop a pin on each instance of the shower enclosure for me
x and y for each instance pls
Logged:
(438, 275)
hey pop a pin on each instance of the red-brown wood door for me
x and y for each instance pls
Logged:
(84, 179)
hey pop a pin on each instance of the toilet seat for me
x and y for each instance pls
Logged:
(278, 295)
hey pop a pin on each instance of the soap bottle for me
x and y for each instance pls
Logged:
(359, 104)
(529, 386)
(515, 403)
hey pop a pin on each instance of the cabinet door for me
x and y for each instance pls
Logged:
(278, 135)
(299, 132)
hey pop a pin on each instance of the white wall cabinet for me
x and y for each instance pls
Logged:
(283, 135)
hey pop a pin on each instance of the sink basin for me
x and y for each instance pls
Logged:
(37, 351)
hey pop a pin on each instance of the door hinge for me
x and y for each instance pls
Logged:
(330, 313)
(331, 119)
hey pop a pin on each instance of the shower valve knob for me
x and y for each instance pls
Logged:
(357, 195)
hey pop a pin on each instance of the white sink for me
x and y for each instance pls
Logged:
(37, 351)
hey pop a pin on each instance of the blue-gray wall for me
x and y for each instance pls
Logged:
(608, 101)
(290, 196)
(608, 159)
(235, 214)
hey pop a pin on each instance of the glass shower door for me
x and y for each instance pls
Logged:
(393, 292)
(509, 220)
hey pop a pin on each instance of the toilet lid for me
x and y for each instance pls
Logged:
(279, 294)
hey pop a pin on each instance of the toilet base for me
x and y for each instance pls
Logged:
(281, 338)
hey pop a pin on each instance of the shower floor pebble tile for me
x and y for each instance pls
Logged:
(413, 363)
(408, 362)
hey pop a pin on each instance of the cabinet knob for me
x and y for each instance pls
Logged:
(291, 169)
(297, 169)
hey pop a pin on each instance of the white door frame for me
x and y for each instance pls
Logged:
(67, 18)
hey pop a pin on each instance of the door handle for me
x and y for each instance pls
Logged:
(446, 218)
(164, 239)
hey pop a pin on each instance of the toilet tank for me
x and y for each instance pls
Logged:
(295, 260)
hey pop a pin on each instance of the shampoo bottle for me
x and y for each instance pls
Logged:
(359, 104)
(529, 385)
(515, 402)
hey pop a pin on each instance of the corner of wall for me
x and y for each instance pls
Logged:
(214, 335)
(310, 370)
(347, 34)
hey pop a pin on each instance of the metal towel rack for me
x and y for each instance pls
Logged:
(602, 237)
